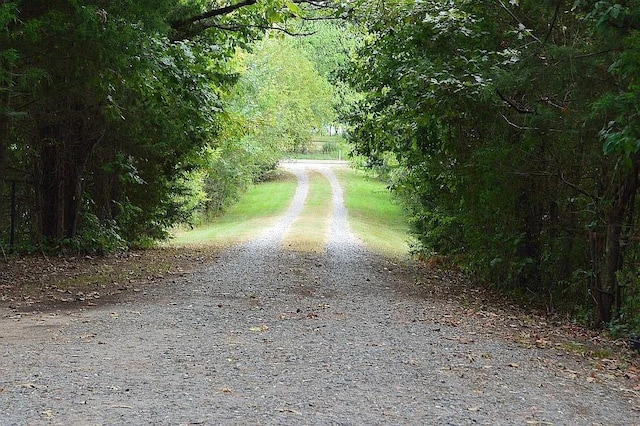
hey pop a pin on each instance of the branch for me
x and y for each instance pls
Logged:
(577, 188)
(512, 124)
(516, 126)
(322, 18)
(262, 27)
(515, 18)
(602, 52)
(553, 22)
(211, 13)
(513, 105)
(196, 24)
(321, 4)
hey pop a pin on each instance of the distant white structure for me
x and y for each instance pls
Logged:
(333, 130)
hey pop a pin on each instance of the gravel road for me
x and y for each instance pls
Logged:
(269, 336)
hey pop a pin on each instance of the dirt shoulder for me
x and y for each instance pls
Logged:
(39, 283)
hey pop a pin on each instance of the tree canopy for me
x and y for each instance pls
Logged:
(510, 129)
(108, 108)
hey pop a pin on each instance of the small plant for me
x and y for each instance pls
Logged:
(329, 146)
(602, 353)
(574, 347)
(97, 237)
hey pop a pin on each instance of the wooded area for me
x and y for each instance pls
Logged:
(508, 127)
(122, 119)
(511, 128)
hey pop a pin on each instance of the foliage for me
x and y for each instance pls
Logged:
(514, 127)
(281, 97)
(108, 108)
(309, 232)
(258, 206)
(375, 215)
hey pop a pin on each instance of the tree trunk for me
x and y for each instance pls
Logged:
(530, 247)
(4, 127)
(605, 295)
(52, 184)
(62, 168)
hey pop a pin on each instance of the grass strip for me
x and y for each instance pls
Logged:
(309, 233)
(374, 216)
(256, 210)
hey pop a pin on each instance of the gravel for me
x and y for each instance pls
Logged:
(270, 336)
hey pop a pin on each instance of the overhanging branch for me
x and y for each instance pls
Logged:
(195, 24)
(233, 28)
(513, 104)
(176, 25)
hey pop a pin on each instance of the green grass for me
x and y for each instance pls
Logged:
(334, 155)
(258, 208)
(373, 214)
(309, 232)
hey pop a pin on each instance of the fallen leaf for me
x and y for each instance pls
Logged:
(541, 343)
(28, 385)
(289, 410)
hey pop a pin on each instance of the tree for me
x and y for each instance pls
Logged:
(617, 27)
(497, 114)
(115, 102)
(281, 96)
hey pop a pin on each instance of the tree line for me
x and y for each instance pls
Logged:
(121, 119)
(511, 130)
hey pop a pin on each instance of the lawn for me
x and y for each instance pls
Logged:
(309, 231)
(258, 208)
(375, 217)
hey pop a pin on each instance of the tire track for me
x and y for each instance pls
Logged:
(275, 234)
(340, 237)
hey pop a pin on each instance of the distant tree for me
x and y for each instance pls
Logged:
(281, 96)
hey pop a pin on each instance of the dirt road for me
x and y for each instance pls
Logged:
(269, 336)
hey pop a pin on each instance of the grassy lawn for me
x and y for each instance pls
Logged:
(309, 232)
(258, 208)
(373, 215)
